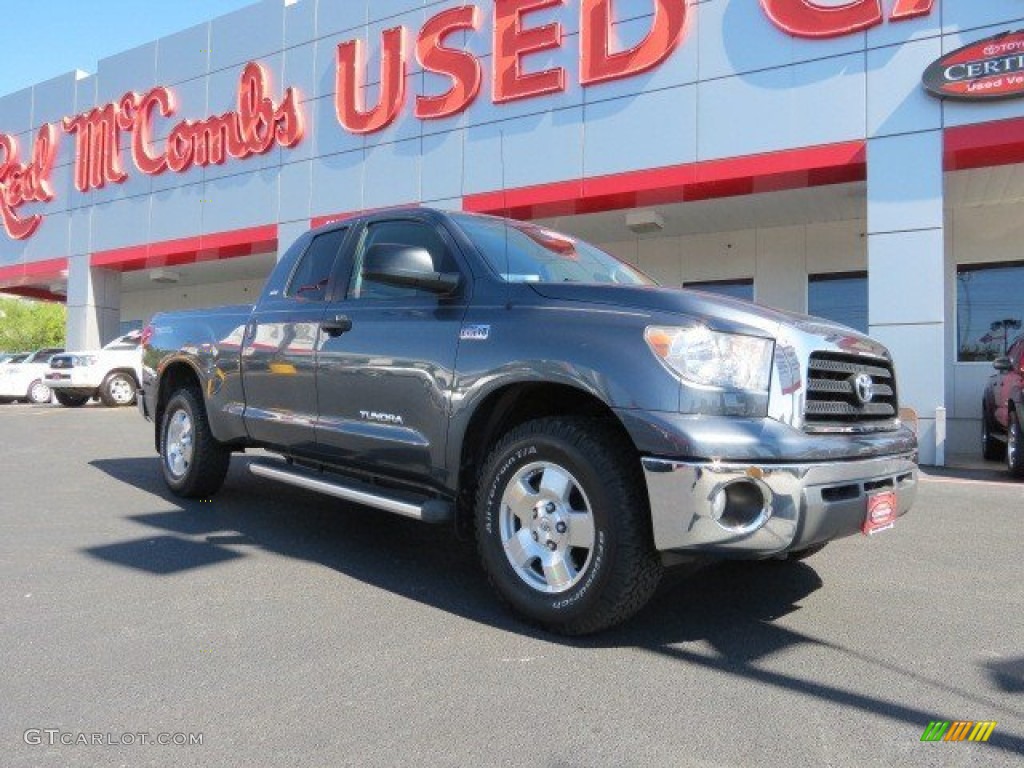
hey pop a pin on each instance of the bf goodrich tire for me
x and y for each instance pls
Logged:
(193, 462)
(118, 390)
(991, 448)
(1014, 446)
(563, 525)
(70, 401)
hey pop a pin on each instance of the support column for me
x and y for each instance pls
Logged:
(94, 304)
(906, 270)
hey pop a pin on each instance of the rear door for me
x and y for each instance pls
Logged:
(384, 385)
(1010, 383)
(279, 354)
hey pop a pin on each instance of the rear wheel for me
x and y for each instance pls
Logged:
(991, 448)
(71, 401)
(117, 390)
(38, 392)
(194, 463)
(1014, 447)
(563, 525)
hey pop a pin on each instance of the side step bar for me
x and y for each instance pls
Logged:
(427, 511)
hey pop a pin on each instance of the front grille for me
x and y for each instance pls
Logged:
(832, 392)
(62, 362)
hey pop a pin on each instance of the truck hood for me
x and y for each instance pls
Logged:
(720, 313)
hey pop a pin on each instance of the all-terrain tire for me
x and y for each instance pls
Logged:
(194, 463)
(596, 469)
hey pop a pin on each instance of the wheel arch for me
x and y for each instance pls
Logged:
(507, 407)
(175, 375)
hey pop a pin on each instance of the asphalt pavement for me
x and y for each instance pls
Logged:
(278, 627)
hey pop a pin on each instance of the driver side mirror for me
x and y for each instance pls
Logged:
(1002, 364)
(407, 266)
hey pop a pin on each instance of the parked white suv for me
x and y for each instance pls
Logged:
(24, 380)
(112, 374)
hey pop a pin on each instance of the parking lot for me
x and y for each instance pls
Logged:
(287, 628)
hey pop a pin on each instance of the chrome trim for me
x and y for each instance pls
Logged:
(337, 490)
(680, 494)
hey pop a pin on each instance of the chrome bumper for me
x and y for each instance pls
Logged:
(809, 503)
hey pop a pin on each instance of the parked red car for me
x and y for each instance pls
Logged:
(1002, 411)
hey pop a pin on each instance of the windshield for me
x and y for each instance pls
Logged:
(525, 253)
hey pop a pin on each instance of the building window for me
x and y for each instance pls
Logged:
(737, 289)
(841, 297)
(989, 309)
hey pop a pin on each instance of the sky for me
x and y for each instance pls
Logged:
(47, 38)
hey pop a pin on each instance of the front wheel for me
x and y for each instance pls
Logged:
(563, 525)
(1014, 446)
(38, 393)
(117, 390)
(193, 462)
(70, 401)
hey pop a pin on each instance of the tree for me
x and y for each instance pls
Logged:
(27, 325)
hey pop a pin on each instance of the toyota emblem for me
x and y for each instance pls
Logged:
(864, 388)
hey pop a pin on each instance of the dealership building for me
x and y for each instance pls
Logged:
(785, 151)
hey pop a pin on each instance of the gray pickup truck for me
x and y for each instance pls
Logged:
(586, 426)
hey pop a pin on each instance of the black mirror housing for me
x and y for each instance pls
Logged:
(1002, 364)
(407, 266)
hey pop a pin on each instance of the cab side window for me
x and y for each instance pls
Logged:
(312, 274)
(410, 233)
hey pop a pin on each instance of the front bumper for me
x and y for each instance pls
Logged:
(809, 503)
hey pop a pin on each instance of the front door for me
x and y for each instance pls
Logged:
(279, 355)
(384, 384)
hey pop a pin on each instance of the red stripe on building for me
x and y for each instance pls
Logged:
(751, 174)
(189, 250)
(24, 279)
(1000, 142)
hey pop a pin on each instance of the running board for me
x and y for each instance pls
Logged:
(427, 511)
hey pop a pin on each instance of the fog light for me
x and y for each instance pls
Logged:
(741, 506)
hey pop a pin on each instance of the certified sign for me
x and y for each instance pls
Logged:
(987, 70)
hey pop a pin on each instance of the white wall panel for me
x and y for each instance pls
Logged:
(392, 174)
(908, 284)
(183, 55)
(16, 112)
(781, 278)
(782, 108)
(836, 246)
(958, 15)
(120, 223)
(648, 130)
(296, 191)
(252, 32)
(132, 70)
(896, 101)
(338, 183)
(737, 37)
(52, 100)
(244, 200)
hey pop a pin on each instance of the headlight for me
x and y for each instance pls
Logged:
(84, 361)
(702, 356)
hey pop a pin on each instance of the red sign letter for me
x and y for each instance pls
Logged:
(158, 98)
(908, 9)
(26, 184)
(97, 150)
(806, 18)
(512, 43)
(349, 102)
(597, 62)
(462, 67)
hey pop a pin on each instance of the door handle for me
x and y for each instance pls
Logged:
(337, 325)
